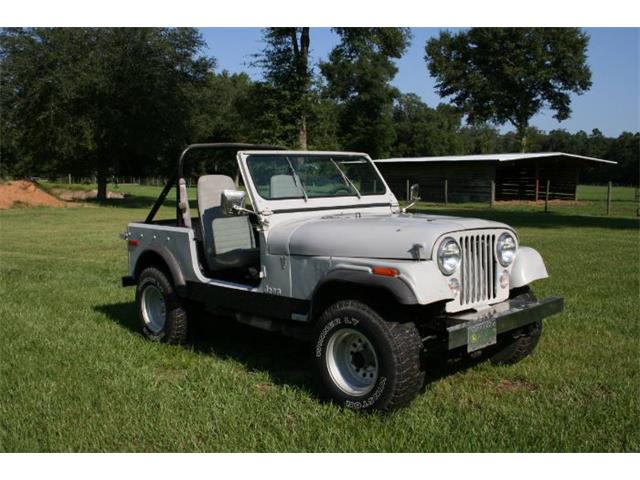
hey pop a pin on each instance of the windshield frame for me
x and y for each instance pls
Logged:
(333, 159)
(314, 202)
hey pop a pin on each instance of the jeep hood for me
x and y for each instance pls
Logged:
(391, 236)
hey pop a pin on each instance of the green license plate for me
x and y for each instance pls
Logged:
(481, 334)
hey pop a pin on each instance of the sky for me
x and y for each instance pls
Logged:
(611, 105)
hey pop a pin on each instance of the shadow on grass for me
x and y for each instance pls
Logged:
(284, 359)
(538, 219)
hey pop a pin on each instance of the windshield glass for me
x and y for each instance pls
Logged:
(312, 176)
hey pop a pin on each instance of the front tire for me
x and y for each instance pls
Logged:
(364, 362)
(162, 315)
(516, 347)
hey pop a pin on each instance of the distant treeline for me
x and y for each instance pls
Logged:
(124, 102)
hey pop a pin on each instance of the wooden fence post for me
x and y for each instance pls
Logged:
(608, 198)
(446, 192)
(546, 197)
(492, 200)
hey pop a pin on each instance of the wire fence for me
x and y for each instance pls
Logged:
(605, 199)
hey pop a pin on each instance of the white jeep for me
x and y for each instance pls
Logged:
(325, 252)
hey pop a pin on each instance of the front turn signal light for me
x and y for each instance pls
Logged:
(385, 271)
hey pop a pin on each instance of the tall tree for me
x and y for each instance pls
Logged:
(99, 99)
(285, 64)
(424, 131)
(358, 73)
(510, 74)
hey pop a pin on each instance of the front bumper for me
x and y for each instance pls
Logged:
(508, 315)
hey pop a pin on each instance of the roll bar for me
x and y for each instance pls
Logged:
(179, 173)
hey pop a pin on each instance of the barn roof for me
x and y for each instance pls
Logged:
(492, 157)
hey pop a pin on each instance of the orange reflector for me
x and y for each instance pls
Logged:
(133, 243)
(385, 271)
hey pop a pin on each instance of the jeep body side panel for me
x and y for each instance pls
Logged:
(170, 243)
(176, 246)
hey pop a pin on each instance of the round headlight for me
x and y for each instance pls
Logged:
(506, 249)
(448, 256)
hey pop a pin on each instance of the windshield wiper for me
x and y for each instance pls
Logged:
(297, 180)
(345, 178)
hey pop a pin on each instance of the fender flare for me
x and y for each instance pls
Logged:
(527, 267)
(169, 260)
(398, 287)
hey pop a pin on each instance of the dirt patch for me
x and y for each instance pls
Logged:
(24, 192)
(83, 194)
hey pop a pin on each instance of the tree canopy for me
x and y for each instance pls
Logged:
(358, 74)
(285, 65)
(110, 98)
(510, 74)
(96, 102)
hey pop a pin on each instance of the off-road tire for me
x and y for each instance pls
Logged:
(398, 347)
(176, 323)
(519, 345)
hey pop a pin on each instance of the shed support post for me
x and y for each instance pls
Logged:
(546, 197)
(537, 180)
(492, 200)
(446, 192)
(608, 198)
(408, 191)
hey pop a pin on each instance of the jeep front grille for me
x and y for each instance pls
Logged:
(477, 269)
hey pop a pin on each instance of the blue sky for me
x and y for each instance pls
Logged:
(612, 104)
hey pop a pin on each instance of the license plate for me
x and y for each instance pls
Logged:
(481, 334)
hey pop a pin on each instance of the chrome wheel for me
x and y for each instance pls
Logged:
(352, 362)
(154, 310)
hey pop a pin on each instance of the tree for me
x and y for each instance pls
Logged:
(424, 131)
(358, 73)
(285, 65)
(217, 113)
(479, 139)
(510, 74)
(100, 99)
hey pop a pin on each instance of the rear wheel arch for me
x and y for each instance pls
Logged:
(163, 259)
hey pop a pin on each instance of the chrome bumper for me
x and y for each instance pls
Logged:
(509, 315)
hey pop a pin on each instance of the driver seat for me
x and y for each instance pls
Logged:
(228, 241)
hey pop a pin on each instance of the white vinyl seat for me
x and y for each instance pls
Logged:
(228, 241)
(284, 186)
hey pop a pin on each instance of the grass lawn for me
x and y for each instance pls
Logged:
(75, 375)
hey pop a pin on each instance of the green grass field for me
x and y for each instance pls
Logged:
(75, 375)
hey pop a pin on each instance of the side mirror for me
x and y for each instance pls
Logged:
(414, 196)
(414, 193)
(232, 201)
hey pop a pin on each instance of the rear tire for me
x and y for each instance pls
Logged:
(364, 362)
(162, 314)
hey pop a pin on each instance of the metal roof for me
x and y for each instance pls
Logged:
(492, 157)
